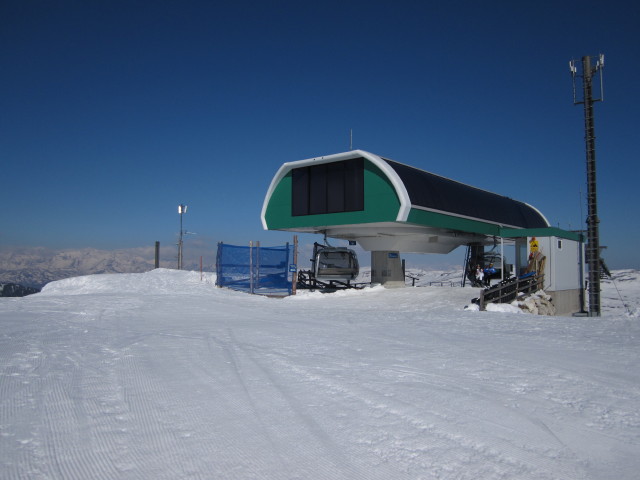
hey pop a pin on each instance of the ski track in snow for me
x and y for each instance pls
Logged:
(162, 376)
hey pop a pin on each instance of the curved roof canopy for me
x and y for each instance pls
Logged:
(386, 205)
(432, 192)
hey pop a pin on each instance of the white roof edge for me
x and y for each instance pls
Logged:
(401, 191)
(276, 179)
(539, 213)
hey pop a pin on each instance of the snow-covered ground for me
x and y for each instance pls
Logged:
(162, 376)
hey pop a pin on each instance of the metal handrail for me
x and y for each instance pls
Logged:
(508, 291)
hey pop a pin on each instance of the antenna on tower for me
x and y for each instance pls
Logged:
(593, 70)
(600, 68)
(574, 70)
(351, 139)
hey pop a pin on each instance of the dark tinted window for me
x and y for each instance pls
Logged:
(335, 187)
(354, 194)
(317, 189)
(300, 192)
(328, 188)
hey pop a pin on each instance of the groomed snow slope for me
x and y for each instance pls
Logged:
(162, 376)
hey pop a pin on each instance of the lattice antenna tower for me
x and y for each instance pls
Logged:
(589, 70)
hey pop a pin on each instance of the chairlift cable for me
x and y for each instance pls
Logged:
(620, 296)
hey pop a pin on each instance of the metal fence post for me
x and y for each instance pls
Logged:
(251, 266)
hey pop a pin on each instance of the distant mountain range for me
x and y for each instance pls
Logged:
(35, 267)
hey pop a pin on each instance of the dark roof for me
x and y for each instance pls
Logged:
(434, 192)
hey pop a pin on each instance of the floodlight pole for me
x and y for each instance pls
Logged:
(593, 236)
(181, 210)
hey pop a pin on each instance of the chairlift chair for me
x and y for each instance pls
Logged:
(334, 263)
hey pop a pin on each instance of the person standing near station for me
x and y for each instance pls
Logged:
(479, 275)
(488, 273)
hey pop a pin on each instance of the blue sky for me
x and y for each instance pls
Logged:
(113, 113)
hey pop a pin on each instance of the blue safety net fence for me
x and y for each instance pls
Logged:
(259, 270)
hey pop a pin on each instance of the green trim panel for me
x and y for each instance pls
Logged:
(540, 232)
(381, 204)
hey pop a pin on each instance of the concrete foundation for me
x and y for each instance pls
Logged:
(566, 301)
(386, 269)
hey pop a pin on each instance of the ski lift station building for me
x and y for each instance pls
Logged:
(389, 207)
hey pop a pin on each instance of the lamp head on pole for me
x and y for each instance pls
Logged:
(182, 209)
